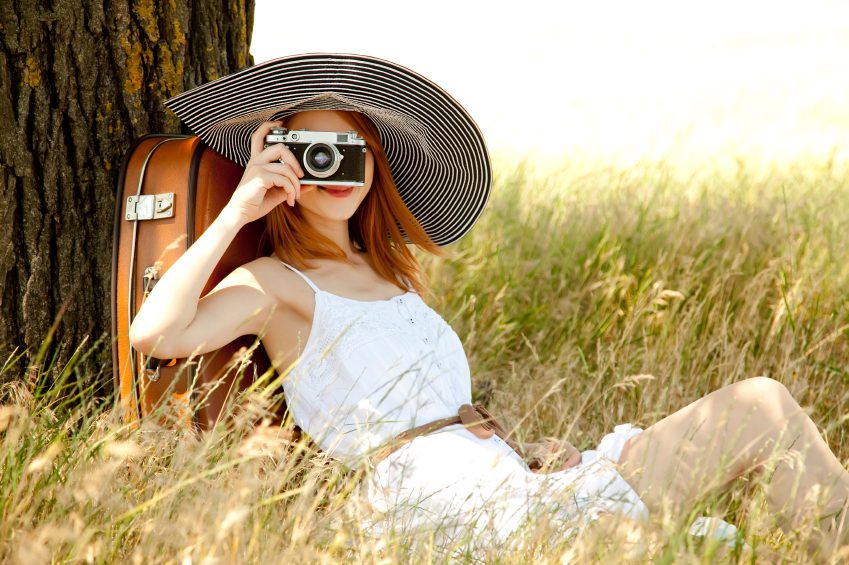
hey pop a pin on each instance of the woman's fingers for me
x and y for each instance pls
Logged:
(274, 152)
(550, 454)
(276, 159)
(258, 136)
(573, 460)
(285, 169)
(271, 176)
(280, 153)
(280, 187)
(573, 456)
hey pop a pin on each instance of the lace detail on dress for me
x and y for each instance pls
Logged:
(371, 369)
(343, 325)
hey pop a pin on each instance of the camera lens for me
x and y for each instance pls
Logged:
(321, 159)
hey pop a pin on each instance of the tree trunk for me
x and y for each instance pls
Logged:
(78, 82)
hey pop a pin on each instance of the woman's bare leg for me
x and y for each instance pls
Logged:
(734, 430)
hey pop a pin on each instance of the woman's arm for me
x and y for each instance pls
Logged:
(173, 321)
(164, 319)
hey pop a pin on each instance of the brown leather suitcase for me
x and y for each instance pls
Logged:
(170, 188)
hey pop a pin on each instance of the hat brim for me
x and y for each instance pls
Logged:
(437, 154)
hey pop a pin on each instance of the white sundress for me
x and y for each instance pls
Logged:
(372, 369)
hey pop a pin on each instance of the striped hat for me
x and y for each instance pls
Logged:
(436, 152)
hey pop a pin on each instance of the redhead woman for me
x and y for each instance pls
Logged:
(376, 377)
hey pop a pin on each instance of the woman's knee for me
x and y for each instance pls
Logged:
(759, 388)
(764, 392)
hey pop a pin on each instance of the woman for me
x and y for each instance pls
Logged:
(338, 306)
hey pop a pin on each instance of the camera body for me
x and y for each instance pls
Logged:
(328, 158)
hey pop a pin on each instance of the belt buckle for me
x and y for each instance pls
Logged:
(474, 422)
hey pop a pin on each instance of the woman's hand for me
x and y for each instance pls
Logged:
(551, 455)
(271, 176)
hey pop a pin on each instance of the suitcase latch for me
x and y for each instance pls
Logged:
(152, 366)
(151, 369)
(150, 278)
(150, 206)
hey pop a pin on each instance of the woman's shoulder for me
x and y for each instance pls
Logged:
(283, 284)
(257, 274)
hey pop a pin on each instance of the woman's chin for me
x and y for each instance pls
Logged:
(326, 211)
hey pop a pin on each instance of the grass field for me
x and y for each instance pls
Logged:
(587, 297)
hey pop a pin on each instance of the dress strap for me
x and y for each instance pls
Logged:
(303, 276)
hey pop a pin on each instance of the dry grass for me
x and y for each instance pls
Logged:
(584, 299)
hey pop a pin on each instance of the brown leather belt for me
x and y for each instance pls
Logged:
(475, 418)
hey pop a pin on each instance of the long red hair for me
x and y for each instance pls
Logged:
(372, 228)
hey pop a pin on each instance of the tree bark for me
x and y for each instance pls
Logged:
(79, 81)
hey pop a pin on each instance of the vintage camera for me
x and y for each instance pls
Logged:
(328, 158)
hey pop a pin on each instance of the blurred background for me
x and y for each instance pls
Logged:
(615, 80)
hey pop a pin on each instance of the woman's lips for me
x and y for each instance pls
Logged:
(336, 192)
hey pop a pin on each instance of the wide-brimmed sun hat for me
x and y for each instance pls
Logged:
(438, 157)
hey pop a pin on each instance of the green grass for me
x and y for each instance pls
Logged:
(585, 298)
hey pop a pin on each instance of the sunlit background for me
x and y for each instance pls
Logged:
(617, 79)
